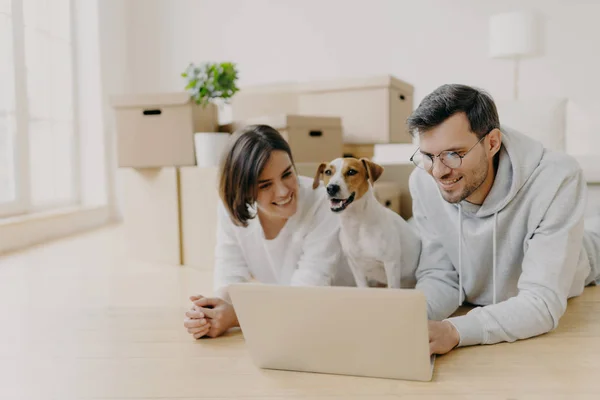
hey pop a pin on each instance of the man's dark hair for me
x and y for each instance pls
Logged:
(448, 100)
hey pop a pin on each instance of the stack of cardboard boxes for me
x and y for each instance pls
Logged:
(155, 153)
(170, 204)
(371, 111)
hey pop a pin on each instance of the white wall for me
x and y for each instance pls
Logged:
(426, 42)
(93, 171)
(146, 44)
(102, 40)
(114, 44)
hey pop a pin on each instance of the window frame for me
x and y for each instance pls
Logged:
(23, 202)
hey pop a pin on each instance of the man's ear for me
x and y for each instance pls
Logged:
(494, 141)
(318, 175)
(374, 170)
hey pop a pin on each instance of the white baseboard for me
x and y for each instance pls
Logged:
(27, 230)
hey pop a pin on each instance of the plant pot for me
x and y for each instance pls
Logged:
(209, 147)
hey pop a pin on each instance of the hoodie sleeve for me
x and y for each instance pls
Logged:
(230, 264)
(321, 249)
(548, 270)
(436, 276)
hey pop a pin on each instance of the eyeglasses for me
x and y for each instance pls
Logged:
(451, 159)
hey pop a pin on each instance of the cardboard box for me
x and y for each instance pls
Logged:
(394, 153)
(307, 169)
(151, 214)
(312, 139)
(389, 194)
(373, 110)
(400, 174)
(226, 128)
(199, 200)
(259, 100)
(170, 214)
(359, 150)
(157, 130)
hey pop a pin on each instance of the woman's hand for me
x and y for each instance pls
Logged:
(196, 322)
(218, 313)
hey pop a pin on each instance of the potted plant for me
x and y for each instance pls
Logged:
(210, 83)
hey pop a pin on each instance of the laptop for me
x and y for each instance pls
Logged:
(369, 332)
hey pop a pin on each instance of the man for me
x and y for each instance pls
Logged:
(501, 219)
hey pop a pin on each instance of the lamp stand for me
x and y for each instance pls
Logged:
(516, 78)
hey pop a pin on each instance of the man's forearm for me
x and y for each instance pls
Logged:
(442, 297)
(517, 318)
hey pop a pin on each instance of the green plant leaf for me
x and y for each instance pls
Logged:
(209, 81)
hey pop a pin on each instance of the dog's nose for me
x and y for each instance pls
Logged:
(332, 189)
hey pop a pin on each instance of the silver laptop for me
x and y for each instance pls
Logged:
(370, 332)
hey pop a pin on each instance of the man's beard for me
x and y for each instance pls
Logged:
(473, 182)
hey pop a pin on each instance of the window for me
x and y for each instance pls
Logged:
(8, 195)
(38, 157)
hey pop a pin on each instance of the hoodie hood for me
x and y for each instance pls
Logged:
(519, 156)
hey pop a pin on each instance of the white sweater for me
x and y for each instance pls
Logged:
(306, 251)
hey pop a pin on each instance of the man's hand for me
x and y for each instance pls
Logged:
(443, 337)
(219, 313)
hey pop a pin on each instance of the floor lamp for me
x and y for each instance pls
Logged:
(513, 36)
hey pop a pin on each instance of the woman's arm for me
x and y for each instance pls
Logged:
(212, 316)
(230, 264)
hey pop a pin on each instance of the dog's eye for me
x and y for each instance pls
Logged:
(351, 172)
(328, 172)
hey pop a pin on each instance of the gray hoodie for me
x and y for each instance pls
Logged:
(518, 256)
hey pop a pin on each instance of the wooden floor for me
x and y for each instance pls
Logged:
(79, 321)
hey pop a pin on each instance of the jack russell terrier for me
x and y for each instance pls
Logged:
(381, 247)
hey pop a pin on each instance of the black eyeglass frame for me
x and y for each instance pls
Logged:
(433, 157)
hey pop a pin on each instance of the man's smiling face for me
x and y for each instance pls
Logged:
(474, 177)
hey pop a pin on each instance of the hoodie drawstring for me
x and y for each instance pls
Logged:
(494, 258)
(460, 290)
(460, 235)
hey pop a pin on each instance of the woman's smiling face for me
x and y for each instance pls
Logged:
(277, 191)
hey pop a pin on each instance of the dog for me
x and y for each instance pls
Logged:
(382, 249)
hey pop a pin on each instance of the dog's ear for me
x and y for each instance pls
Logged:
(374, 170)
(318, 175)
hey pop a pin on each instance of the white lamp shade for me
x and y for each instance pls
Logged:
(513, 35)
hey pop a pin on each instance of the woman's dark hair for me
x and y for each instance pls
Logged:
(448, 100)
(241, 166)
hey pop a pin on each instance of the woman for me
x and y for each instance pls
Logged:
(272, 227)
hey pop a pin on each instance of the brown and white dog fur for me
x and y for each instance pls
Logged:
(382, 249)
